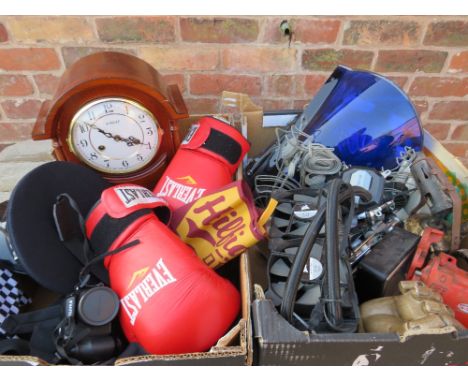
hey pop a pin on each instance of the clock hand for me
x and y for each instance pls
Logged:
(93, 126)
(108, 135)
(130, 141)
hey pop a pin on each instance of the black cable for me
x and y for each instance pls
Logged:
(86, 269)
(336, 253)
(332, 290)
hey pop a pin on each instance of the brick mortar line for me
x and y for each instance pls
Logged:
(204, 96)
(26, 44)
(409, 83)
(33, 72)
(430, 106)
(341, 31)
(350, 17)
(321, 72)
(452, 142)
(424, 29)
(10, 143)
(262, 28)
(299, 55)
(41, 97)
(450, 132)
(414, 99)
(307, 17)
(264, 79)
(220, 64)
(302, 71)
(439, 99)
(63, 67)
(37, 93)
(75, 45)
(186, 83)
(406, 18)
(425, 120)
(233, 74)
(19, 120)
(22, 161)
(374, 60)
(448, 61)
(386, 47)
(177, 31)
(188, 89)
(250, 17)
(420, 74)
(304, 45)
(458, 121)
(411, 77)
(453, 123)
(92, 22)
(443, 122)
(429, 100)
(295, 89)
(259, 23)
(183, 43)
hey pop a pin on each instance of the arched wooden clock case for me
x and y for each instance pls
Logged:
(113, 75)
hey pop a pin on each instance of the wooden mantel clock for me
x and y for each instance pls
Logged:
(113, 113)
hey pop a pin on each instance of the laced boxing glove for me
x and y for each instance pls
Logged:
(170, 301)
(206, 160)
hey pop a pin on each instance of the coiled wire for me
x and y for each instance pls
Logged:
(298, 154)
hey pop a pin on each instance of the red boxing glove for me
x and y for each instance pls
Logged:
(206, 160)
(170, 301)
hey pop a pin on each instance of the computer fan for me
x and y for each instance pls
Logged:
(289, 225)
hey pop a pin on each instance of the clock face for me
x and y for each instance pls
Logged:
(114, 135)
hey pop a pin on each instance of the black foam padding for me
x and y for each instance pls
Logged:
(31, 226)
(223, 145)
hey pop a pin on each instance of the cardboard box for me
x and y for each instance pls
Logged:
(234, 348)
(276, 342)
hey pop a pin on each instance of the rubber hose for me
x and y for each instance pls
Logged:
(333, 290)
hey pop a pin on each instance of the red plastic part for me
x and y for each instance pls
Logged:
(429, 237)
(442, 275)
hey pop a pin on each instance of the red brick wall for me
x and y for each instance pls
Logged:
(426, 56)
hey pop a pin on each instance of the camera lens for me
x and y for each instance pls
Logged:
(98, 306)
